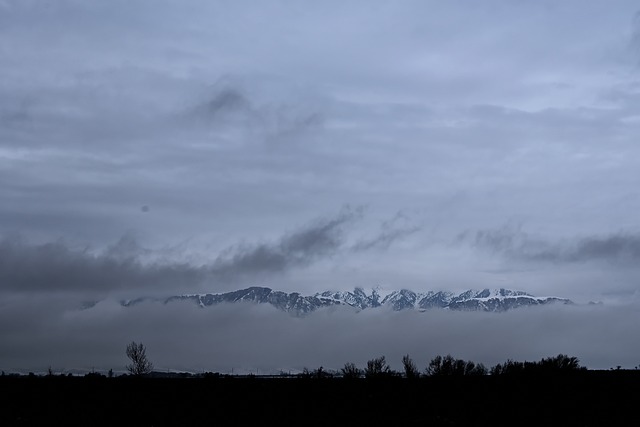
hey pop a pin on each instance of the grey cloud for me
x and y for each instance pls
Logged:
(617, 248)
(234, 120)
(58, 266)
(234, 104)
(505, 240)
(226, 101)
(126, 266)
(635, 37)
(127, 247)
(322, 238)
(391, 231)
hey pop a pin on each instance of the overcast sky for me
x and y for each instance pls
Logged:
(163, 147)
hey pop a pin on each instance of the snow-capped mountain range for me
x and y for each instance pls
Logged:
(490, 300)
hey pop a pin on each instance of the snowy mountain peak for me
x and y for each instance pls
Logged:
(492, 300)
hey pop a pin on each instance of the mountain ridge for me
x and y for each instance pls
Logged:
(487, 300)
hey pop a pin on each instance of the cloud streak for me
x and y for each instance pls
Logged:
(621, 248)
(391, 231)
(59, 267)
(320, 239)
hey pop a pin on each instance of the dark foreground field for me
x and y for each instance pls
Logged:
(592, 398)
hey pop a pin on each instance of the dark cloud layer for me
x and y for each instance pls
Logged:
(320, 239)
(57, 266)
(622, 248)
(391, 231)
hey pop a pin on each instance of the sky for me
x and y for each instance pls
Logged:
(154, 148)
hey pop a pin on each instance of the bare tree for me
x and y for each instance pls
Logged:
(558, 364)
(350, 370)
(410, 368)
(378, 368)
(450, 366)
(140, 365)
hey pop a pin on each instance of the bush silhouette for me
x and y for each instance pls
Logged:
(316, 373)
(550, 365)
(350, 371)
(449, 366)
(378, 368)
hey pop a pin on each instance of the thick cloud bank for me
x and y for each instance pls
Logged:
(41, 332)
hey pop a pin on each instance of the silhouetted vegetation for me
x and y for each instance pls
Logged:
(94, 375)
(351, 371)
(140, 364)
(448, 366)
(378, 368)
(551, 365)
(588, 398)
(451, 392)
(410, 369)
(316, 373)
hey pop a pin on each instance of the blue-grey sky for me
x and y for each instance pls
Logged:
(159, 147)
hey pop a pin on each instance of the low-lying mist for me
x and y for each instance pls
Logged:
(39, 332)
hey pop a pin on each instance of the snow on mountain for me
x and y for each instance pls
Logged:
(489, 300)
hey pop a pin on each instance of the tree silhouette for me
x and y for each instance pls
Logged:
(410, 368)
(140, 365)
(350, 370)
(378, 368)
(551, 365)
(562, 363)
(449, 366)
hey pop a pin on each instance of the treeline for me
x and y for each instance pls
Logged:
(443, 366)
(439, 366)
